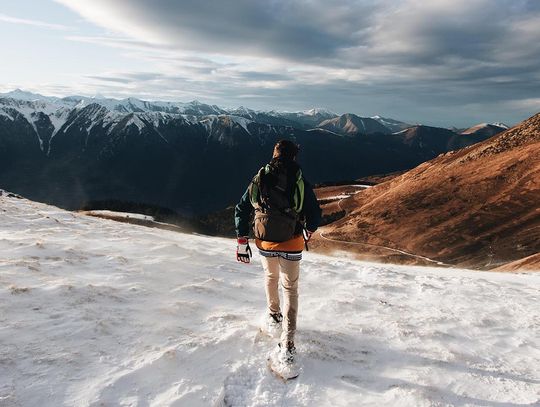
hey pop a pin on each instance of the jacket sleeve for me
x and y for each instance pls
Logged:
(242, 215)
(312, 210)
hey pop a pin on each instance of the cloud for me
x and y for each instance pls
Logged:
(395, 55)
(105, 78)
(302, 29)
(111, 41)
(15, 20)
(134, 77)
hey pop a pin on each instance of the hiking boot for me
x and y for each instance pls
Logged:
(275, 318)
(283, 362)
(271, 324)
(286, 353)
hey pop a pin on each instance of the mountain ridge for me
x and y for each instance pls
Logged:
(474, 207)
(349, 124)
(64, 152)
(309, 117)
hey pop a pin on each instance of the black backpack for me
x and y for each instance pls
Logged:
(277, 195)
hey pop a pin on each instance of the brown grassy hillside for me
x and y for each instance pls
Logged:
(476, 207)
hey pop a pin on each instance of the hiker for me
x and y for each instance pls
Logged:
(286, 213)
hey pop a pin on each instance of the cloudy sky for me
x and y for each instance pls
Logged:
(441, 62)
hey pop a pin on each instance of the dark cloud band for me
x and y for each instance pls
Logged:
(451, 53)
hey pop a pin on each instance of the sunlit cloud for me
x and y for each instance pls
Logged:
(35, 23)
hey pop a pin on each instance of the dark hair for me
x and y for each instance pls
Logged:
(286, 150)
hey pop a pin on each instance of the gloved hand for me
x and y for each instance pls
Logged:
(243, 251)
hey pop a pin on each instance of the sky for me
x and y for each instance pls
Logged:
(442, 62)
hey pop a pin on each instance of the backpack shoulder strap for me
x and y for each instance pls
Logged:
(299, 192)
(255, 188)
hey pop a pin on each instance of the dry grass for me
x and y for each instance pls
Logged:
(477, 207)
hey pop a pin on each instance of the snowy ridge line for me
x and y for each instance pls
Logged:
(192, 108)
(128, 215)
(96, 312)
(134, 105)
(132, 218)
(106, 115)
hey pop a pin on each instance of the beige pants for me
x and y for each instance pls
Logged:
(289, 271)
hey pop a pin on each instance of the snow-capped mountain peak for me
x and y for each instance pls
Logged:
(485, 128)
(241, 110)
(20, 94)
(500, 124)
(392, 124)
(318, 111)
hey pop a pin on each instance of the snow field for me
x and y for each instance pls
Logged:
(99, 313)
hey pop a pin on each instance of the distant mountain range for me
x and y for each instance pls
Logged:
(476, 207)
(192, 157)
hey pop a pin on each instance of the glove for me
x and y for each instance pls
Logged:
(243, 251)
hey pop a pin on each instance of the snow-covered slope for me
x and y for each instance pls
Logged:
(392, 124)
(98, 313)
(127, 105)
(487, 129)
(318, 111)
(20, 94)
(48, 118)
(135, 105)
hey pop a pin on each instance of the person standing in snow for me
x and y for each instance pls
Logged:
(286, 213)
